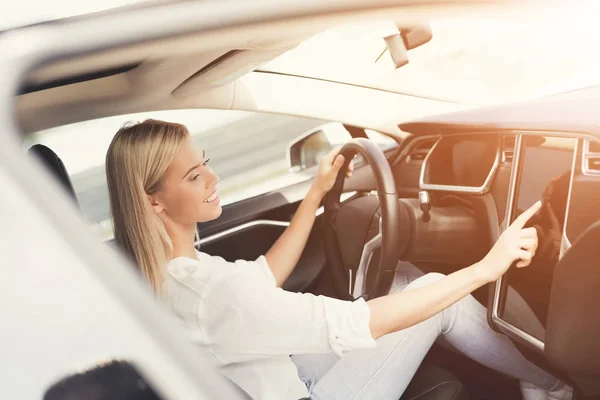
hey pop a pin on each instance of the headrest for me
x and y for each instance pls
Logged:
(55, 166)
(573, 326)
(116, 380)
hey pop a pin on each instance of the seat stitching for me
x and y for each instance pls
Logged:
(460, 389)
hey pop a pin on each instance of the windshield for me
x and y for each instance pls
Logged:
(470, 60)
(474, 61)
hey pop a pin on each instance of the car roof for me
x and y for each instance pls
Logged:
(261, 67)
(574, 111)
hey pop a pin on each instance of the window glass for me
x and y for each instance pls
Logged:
(247, 151)
(383, 141)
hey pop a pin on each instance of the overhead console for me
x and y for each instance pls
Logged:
(463, 163)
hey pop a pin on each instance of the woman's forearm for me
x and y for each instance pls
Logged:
(407, 308)
(286, 251)
(401, 310)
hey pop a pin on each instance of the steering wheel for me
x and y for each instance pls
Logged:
(389, 230)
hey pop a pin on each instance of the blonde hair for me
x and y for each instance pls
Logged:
(136, 162)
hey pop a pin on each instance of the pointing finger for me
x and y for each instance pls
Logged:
(526, 216)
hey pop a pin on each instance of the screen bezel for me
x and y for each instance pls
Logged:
(500, 288)
(477, 190)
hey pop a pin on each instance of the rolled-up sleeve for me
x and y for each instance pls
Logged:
(245, 316)
(347, 324)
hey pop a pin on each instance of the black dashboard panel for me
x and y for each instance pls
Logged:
(409, 164)
(407, 168)
(462, 163)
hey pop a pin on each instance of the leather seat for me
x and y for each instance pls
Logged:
(434, 383)
(55, 166)
(573, 324)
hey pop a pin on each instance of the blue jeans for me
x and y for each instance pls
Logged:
(384, 372)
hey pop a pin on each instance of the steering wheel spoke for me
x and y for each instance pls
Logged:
(388, 237)
(359, 286)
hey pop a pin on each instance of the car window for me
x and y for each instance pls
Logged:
(247, 150)
(383, 141)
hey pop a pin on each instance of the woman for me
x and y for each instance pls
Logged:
(161, 186)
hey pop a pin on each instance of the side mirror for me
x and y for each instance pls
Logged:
(305, 152)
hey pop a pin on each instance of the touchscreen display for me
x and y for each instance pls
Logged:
(545, 168)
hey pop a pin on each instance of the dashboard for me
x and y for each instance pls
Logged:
(470, 165)
(512, 170)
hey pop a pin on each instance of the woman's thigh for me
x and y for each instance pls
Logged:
(383, 372)
(312, 368)
(405, 274)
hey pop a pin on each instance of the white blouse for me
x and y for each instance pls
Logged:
(251, 326)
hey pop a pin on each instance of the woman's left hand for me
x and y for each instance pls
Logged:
(328, 170)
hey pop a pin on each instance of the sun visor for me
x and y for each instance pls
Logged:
(226, 69)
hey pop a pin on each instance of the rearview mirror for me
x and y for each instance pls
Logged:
(416, 36)
(399, 43)
(306, 150)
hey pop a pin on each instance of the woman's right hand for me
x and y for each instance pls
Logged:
(515, 244)
(327, 173)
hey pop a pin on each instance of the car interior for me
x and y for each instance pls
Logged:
(439, 197)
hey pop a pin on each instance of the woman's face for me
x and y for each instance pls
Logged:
(188, 193)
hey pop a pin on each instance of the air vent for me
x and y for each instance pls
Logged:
(593, 164)
(591, 158)
(508, 156)
(508, 149)
(419, 151)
